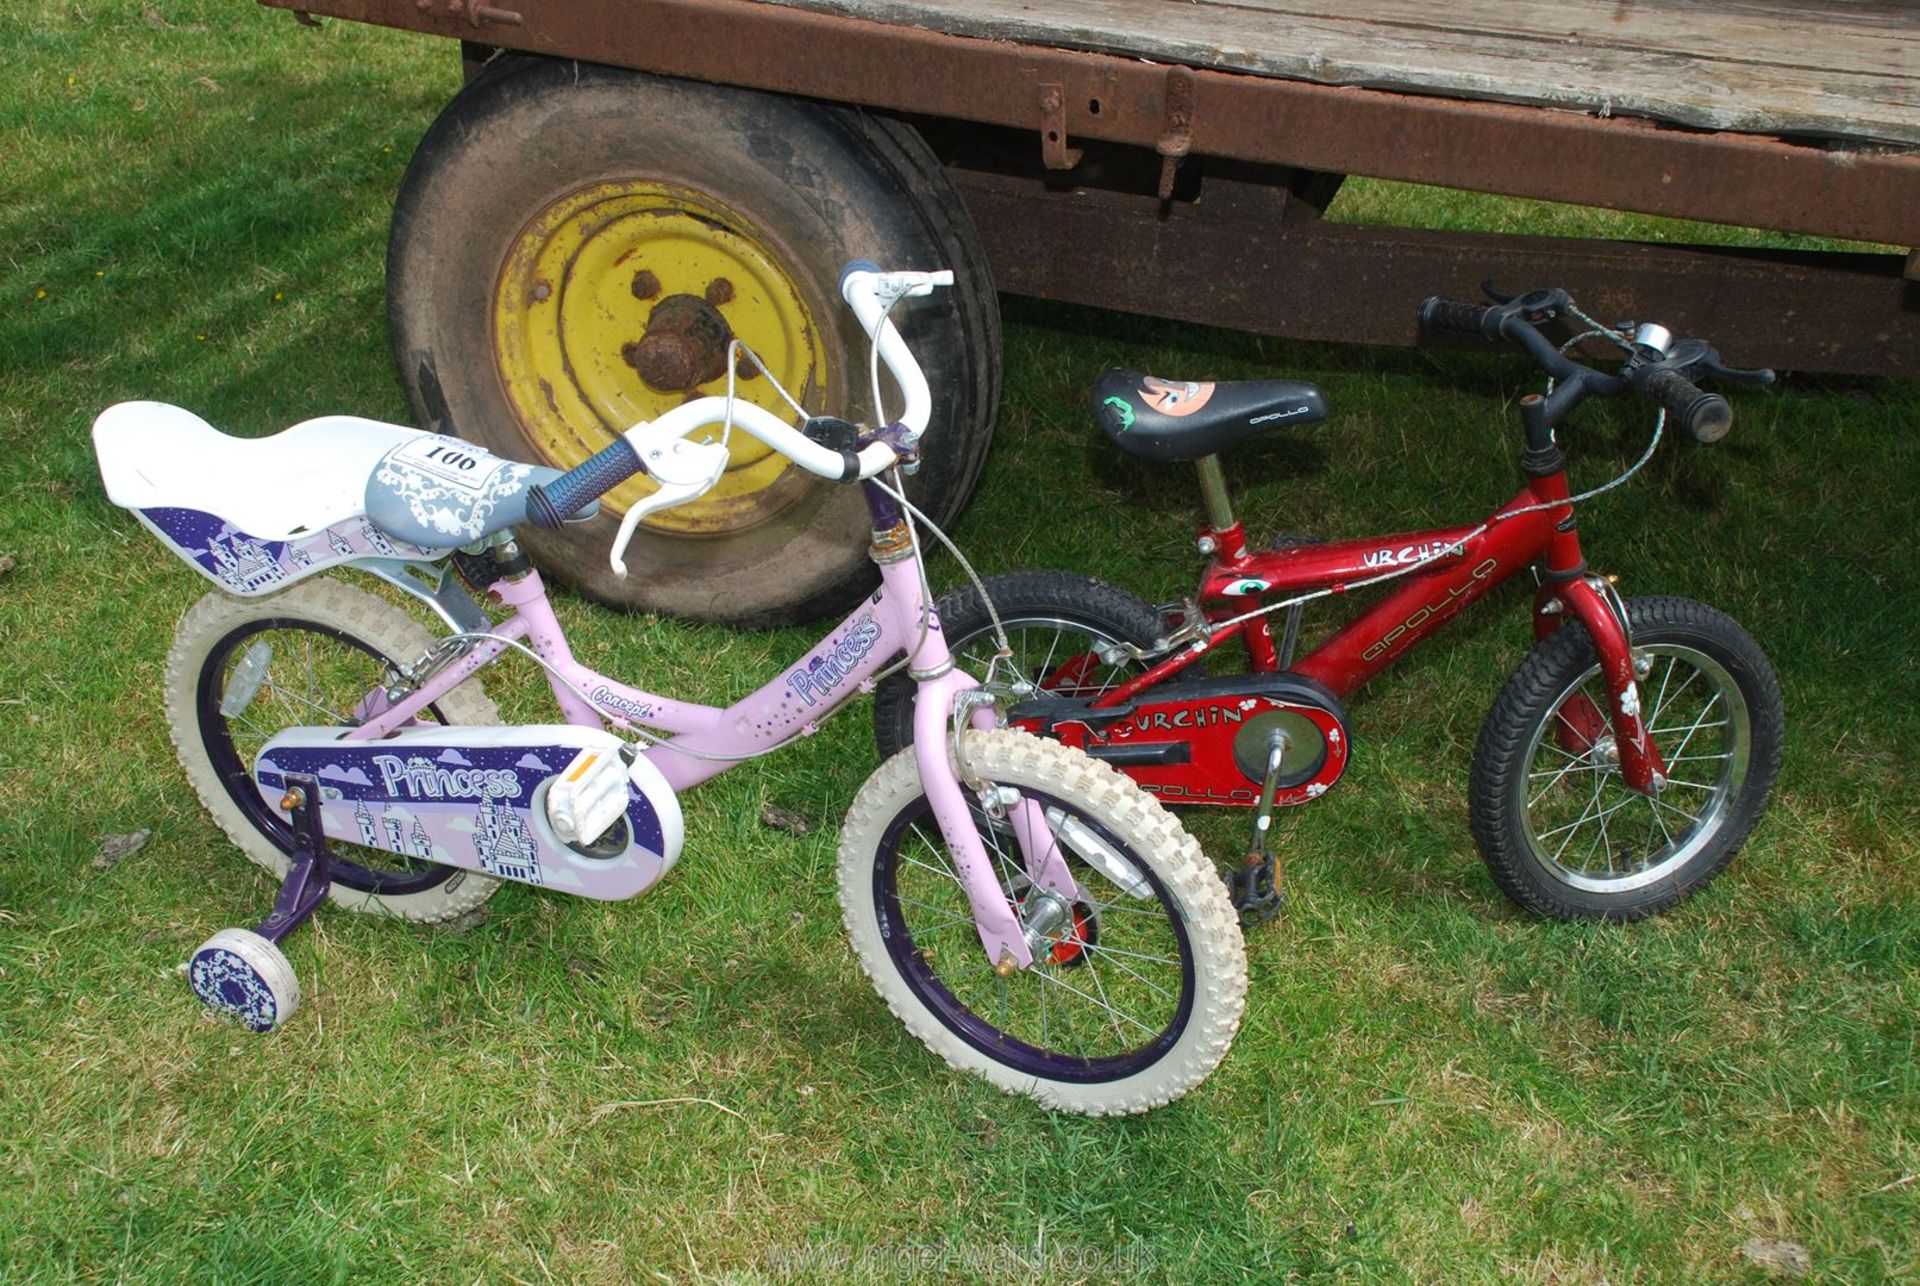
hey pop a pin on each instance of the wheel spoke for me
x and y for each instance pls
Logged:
(1667, 732)
(1694, 730)
(920, 931)
(1578, 765)
(1114, 907)
(1136, 955)
(331, 717)
(1692, 674)
(990, 840)
(1049, 977)
(1692, 820)
(1113, 958)
(1557, 777)
(1660, 700)
(926, 866)
(1584, 818)
(1654, 807)
(313, 680)
(1601, 840)
(254, 728)
(939, 851)
(1046, 666)
(1572, 827)
(1548, 743)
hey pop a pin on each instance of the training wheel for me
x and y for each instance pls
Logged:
(239, 973)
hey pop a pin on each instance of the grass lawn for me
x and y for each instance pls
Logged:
(1429, 1085)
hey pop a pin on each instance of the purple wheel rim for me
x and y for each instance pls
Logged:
(975, 1030)
(237, 776)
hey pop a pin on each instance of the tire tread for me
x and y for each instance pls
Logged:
(1212, 925)
(352, 611)
(1508, 729)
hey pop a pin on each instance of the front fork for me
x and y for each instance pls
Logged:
(948, 792)
(938, 705)
(1591, 601)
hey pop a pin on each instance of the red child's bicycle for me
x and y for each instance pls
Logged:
(1623, 764)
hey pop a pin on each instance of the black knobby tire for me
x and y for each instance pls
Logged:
(813, 185)
(1031, 604)
(1559, 830)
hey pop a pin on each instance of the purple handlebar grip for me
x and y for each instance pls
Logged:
(550, 505)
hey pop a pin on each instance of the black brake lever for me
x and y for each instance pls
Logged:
(1535, 306)
(1696, 359)
(1759, 377)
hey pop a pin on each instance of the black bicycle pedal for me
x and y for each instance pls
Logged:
(1255, 892)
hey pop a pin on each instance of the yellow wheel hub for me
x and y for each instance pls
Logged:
(614, 306)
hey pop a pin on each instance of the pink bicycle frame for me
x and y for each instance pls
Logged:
(705, 740)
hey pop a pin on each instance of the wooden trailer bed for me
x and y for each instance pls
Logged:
(1824, 69)
(1172, 157)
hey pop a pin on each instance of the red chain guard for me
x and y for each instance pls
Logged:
(1177, 739)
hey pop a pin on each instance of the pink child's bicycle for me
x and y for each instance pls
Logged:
(1032, 915)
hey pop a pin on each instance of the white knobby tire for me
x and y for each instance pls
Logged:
(344, 611)
(1187, 908)
(239, 974)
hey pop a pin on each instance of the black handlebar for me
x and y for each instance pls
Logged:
(1665, 378)
(1704, 417)
(1450, 314)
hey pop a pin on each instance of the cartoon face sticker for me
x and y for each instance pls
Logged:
(1174, 399)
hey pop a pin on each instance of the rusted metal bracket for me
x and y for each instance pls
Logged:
(1053, 130)
(1176, 134)
(476, 14)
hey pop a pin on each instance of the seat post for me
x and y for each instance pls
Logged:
(1213, 492)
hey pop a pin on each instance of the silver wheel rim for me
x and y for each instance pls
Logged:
(1581, 821)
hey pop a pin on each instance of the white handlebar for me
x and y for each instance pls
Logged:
(871, 294)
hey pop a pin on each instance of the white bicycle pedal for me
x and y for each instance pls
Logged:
(588, 797)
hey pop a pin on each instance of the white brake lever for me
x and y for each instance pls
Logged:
(683, 471)
(890, 287)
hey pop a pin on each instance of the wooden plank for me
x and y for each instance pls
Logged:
(1841, 71)
(1881, 39)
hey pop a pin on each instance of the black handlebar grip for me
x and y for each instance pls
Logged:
(550, 505)
(1704, 417)
(1437, 313)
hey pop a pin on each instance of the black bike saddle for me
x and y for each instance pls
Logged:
(1169, 420)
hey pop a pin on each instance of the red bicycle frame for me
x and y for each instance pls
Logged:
(1454, 566)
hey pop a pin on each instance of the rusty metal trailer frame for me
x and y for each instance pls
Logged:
(1252, 252)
